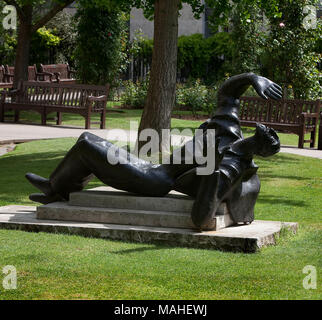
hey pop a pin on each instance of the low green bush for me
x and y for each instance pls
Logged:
(192, 96)
(196, 97)
(134, 94)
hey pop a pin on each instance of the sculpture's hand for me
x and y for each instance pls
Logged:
(267, 88)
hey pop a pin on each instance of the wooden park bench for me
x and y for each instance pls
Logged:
(61, 72)
(46, 97)
(292, 116)
(33, 74)
(6, 80)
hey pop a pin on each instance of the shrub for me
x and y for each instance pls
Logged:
(193, 96)
(134, 94)
(141, 47)
(196, 97)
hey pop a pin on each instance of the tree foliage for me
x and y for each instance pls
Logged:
(101, 42)
(42, 10)
(247, 37)
(272, 36)
(198, 57)
(289, 56)
(147, 5)
(63, 26)
(7, 41)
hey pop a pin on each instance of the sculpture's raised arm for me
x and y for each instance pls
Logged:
(235, 86)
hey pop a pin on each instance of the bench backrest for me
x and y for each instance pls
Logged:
(2, 78)
(10, 70)
(63, 69)
(32, 70)
(56, 94)
(286, 111)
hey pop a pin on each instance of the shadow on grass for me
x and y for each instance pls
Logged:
(34, 158)
(270, 199)
(278, 159)
(141, 249)
(265, 176)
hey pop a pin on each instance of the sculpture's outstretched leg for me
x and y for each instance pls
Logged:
(71, 173)
(89, 157)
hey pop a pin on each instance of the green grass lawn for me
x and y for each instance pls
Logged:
(122, 119)
(52, 266)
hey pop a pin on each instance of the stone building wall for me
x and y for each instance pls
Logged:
(187, 23)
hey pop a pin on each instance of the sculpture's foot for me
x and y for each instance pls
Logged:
(45, 199)
(40, 183)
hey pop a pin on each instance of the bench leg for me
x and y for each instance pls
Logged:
(17, 116)
(103, 120)
(88, 121)
(320, 135)
(301, 141)
(1, 113)
(313, 136)
(43, 118)
(59, 118)
(301, 136)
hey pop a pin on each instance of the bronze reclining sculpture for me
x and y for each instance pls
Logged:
(234, 179)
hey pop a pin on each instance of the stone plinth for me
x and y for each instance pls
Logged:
(107, 205)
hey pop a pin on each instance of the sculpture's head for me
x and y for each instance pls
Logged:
(268, 142)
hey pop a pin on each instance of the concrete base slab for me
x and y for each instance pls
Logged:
(241, 238)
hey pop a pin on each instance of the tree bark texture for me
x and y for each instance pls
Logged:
(23, 44)
(162, 87)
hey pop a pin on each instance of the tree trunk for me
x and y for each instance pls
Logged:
(162, 87)
(23, 45)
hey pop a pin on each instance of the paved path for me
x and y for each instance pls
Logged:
(5, 148)
(15, 133)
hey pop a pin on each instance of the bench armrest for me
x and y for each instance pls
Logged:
(70, 72)
(307, 118)
(307, 115)
(91, 100)
(100, 98)
(8, 76)
(44, 73)
(57, 76)
(13, 91)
